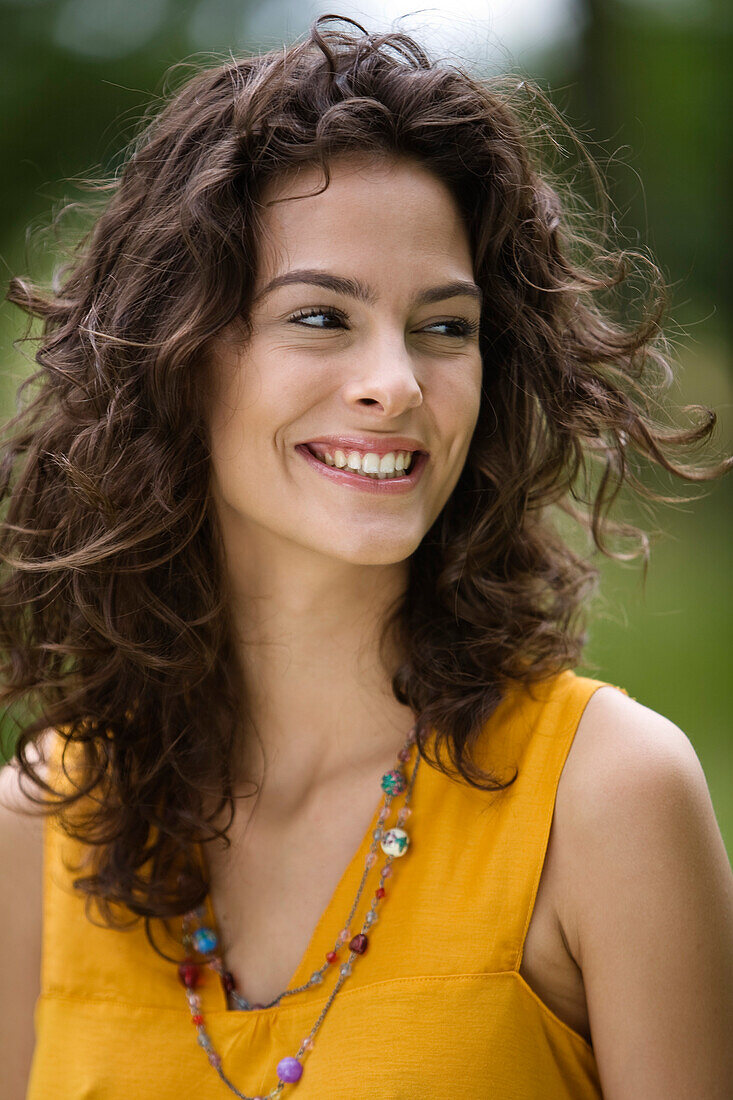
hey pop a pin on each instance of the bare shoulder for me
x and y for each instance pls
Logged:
(645, 901)
(617, 728)
(625, 756)
(21, 874)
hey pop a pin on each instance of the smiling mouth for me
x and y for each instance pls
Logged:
(379, 482)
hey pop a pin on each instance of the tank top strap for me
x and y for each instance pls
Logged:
(541, 736)
(488, 848)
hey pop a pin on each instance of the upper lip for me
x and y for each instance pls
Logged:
(380, 446)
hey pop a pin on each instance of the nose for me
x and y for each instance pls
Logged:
(384, 375)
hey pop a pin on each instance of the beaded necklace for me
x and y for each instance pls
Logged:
(201, 941)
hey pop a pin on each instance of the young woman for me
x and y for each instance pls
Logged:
(320, 805)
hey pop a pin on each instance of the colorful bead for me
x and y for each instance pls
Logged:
(385, 872)
(289, 1070)
(359, 943)
(371, 859)
(393, 782)
(396, 842)
(189, 974)
(380, 892)
(205, 940)
(331, 957)
(198, 1020)
(403, 755)
(228, 981)
(308, 1043)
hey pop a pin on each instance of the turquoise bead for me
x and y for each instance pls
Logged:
(204, 940)
(393, 782)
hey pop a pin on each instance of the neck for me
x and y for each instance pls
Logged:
(319, 698)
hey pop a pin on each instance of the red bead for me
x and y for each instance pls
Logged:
(331, 957)
(228, 980)
(359, 944)
(198, 1020)
(188, 972)
(380, 892)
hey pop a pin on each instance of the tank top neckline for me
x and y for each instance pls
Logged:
(342, 897)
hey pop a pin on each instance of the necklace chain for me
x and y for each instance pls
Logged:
(203, 941)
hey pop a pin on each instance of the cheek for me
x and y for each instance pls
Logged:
(253, 407)
(463, 394)
(227, 433)
(243, 411)
(466, 404)
(224, 382)
(473, 389)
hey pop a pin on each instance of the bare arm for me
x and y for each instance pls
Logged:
(21, 874)
(648, 906)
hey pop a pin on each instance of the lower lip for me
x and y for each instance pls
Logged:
(387, 485)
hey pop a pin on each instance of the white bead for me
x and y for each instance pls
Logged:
(396, 842)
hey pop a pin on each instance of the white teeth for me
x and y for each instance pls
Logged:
(372, 465)
(367, 464)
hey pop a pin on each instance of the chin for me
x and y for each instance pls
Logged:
(375, 551)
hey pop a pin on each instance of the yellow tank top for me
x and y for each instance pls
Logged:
(436, 1006)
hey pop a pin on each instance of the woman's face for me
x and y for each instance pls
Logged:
(364, 331)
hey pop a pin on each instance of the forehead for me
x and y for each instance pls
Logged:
(374, 212)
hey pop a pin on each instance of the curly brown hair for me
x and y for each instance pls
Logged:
(114, 622)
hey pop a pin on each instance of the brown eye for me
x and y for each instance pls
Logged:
(458, 328)
(302, 316)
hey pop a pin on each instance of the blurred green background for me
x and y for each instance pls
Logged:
(642, 80)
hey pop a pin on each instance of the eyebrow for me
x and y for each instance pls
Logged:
(353, 288)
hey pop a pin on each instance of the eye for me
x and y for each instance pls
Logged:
(461, 328)
(303, 317)
(456, 328)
